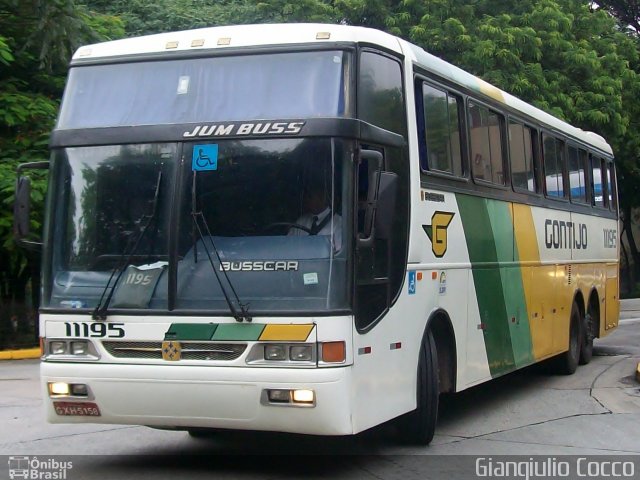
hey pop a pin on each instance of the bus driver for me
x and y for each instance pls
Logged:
(316, 216)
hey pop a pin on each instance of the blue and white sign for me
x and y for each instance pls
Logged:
(205, 157)
(412, 283)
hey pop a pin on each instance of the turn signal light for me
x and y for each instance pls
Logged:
(334, 352)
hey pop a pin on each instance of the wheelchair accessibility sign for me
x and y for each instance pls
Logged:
(205, 157)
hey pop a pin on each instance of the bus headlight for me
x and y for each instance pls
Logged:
(79, 348)
(63, 389)
(58, 389)
(275, 352)
(303, 396)
(282, 354)
(301, 353)
(288, 397)
(76, 349)
(57, 348)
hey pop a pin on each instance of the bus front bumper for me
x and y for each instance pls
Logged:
(204, 397)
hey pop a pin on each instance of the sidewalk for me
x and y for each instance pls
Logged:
(629, 308)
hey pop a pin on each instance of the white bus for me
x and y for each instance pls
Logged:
(311, 229)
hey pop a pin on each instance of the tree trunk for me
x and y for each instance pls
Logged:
(627, 227)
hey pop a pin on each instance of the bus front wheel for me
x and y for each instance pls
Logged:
(419, 425)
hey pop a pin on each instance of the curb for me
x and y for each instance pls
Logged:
(28, 353)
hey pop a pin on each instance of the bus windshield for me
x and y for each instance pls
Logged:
(267, 218)
(241, 87)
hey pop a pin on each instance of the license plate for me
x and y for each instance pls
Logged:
(77, 409)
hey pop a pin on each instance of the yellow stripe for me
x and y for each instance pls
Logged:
(289, 333)
(490, 90)
(525, 232)
(537, 281)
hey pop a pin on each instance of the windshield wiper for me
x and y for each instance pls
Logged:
(100, 312)
(243, 314)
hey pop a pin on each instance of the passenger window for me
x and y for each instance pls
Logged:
(380, 98)
(443, 150)
(521, 154)
(486, 144)
(553, 152)
(577, 169)
(612, 190)
(596, 181)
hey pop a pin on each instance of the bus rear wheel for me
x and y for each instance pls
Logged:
(588, 334)
(568, 361)
(419, 426)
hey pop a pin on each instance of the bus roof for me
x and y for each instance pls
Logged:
(218, 38)
(239, 36)
(466, 80)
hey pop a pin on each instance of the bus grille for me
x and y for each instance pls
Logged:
(190, 350)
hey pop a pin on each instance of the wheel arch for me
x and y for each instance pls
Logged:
(578, 299)
(439, 323)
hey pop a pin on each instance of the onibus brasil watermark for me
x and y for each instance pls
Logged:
(34, 468)
(552, 467)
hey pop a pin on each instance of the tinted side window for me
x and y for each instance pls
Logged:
(577, 174)
(380, 98)
(612, 192)
(442, 131)
(521, 154)
(553, 152)
(486, 144)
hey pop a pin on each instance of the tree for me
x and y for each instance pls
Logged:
(628, 13)
(38, 38)
(143, 17)
(628, 149)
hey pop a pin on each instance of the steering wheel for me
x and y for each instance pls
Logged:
(290, 225)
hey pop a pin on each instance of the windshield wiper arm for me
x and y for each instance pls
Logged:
(100, 312)
(243, 314)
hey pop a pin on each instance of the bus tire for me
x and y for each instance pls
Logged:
(586, 345)
(567, 362)
(420, 425)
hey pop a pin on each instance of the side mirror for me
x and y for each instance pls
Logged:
(374, 162)
(22, 206)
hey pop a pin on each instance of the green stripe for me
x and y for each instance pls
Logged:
(483, 254)
(238, 331)
(190, 331)
(512, 288)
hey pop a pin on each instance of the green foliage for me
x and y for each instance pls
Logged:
(6, 57)
(37, 41)
(143, 17)
(627, 12)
